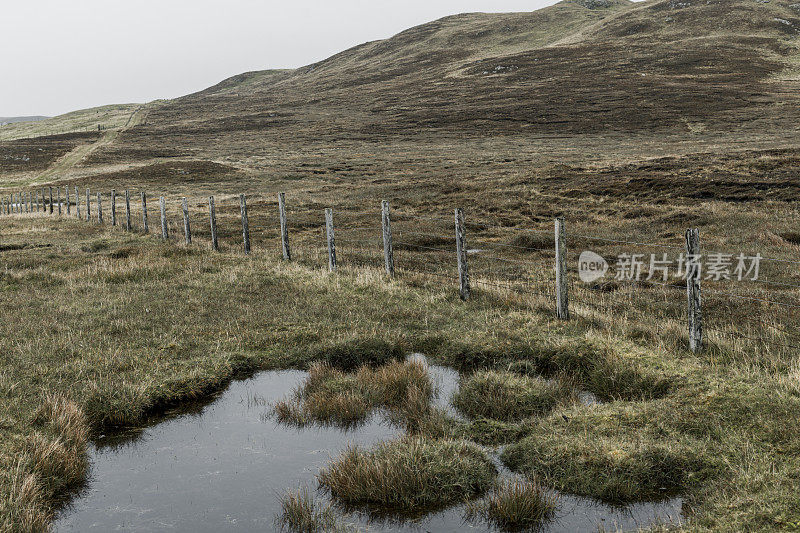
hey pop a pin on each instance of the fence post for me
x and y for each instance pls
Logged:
(113, 207)
(99, 209)
(287, 252)
(145, 227)
(461, 253)
(331, 240)
(88, 206)
(51, 200)
(388, 251)
(212, 213)
(164, 231)
(245, 224)
(693, 274)
(127, 210)
(77, 203)
(66, 193)
(58, 189)
(187, 231)
(562, 290)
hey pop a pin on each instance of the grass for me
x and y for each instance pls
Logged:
(301, 513)
(507, 396)
(409, 475)
(330, 396)
(120, 327)
(514, 505)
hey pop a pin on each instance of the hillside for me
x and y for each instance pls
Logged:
(13, 120)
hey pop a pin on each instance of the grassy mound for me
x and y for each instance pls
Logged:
(507, 396)
(514, 506)
(350, 356)
(616, 470)
(300, 513)
(409, 475)
(330, 396)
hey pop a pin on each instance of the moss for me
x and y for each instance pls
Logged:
(409, 475)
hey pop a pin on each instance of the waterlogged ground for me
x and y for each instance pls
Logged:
(222, 467)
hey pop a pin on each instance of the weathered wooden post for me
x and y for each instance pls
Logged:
(127, 210)
(88, 205)
(287, 253)
(388, 251)
(187, 230)
(693, 275)
(51, 200)
(212, 213)
(77, 203)
(36, 199)
(164, 231)
(99, 209)
(562, 294)
(113, 207)
(145, 227)
(245, 224)
(58, 189)
(66, 193)
(461, 253)
(331, 240)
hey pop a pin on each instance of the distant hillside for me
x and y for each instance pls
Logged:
(103, 118)
(12, 120)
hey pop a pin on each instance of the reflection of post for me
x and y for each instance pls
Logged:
(562, 294)
(461, 253)
(693, 273)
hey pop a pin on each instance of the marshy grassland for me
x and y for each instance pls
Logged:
(103, 329)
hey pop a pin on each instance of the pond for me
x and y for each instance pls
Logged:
(223, 466)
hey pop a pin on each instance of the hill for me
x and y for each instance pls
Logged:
(13, 120)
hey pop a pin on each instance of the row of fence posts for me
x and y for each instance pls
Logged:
(26, 202)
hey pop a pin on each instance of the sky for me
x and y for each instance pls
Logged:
(58, 56)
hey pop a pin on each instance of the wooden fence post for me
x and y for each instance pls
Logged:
(69, 208)
(331, 240)
(212, 213)
(287, 252)
(164, 231)
(693, 274)
(145, 227)
(187, 230)
(388, 251)
(88, 206)
(562, 290)
(51, 200)
(113, 207)
(99, 209)
(461, 253)
(77, 203)
(36, 199)
(58, 189)
(127, 210)
(245, 224)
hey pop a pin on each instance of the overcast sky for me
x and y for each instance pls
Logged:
(58, 56)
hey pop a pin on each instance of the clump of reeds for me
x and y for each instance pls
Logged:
(514, 505)
(301, 513)
(410, 474)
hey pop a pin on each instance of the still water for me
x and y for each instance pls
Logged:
(223, 466)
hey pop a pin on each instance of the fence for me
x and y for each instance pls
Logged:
(535, 264)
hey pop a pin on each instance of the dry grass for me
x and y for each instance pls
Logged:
(301, 513)
(409, 475)
(514, 506)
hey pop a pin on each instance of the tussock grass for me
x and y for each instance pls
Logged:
(507, 396)
(331, 396)
(350, 356)
(514, 505)
(409, 475)
(301, 513)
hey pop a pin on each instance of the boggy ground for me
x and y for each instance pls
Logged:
(102, 329)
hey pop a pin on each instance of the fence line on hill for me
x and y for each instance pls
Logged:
(405, 244)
